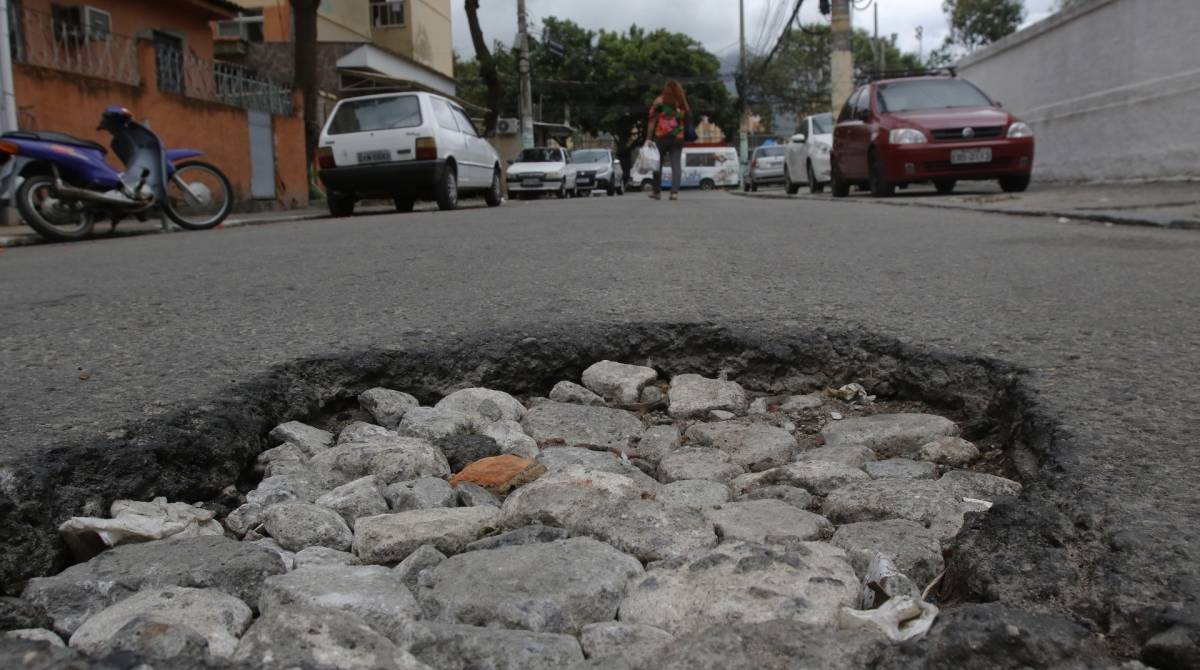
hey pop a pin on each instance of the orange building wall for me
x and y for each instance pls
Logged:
(53, 100)
(131, 16)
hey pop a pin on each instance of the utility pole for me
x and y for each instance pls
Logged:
(841, 58)
(8, 121)
(921, 45)
(526, 102)
(880, 57)
(743, 141)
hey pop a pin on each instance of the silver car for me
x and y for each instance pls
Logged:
(598, 169)
(766, 166)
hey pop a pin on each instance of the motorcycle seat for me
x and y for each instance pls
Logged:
(59, 138)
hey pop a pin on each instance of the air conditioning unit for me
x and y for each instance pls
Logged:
(80, 23)
(508, 126)
(231, 30)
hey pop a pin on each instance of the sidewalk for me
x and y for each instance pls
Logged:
(1156, 204)
(22, 235)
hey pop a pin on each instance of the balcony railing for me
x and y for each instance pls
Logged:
(44, 42)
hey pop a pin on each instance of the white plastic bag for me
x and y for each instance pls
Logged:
(901, 619)
(648, 160)
(134, 521)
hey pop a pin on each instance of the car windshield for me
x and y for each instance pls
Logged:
(822, 124)
(360, 116)
(766, 152)
(907, 96)
(590, 156)
(539, 156)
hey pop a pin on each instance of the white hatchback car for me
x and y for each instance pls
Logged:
(407, 147)
(542, 170)
(807, 155)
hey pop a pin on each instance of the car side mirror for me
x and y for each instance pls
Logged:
(799, 138)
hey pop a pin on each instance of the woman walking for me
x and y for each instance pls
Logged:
(668, 119)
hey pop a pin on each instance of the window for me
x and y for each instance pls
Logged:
(360, 116)
(903, 96)
(387, 13)
(464, 123)
(247, 26)
(862, 104)
(539, 156)
(822, 124)
(591, 156)
(707, 159)
(445, 117)
(768, 152)
(168, 61)
(848, 108)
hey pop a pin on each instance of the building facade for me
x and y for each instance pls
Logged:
(72, 59)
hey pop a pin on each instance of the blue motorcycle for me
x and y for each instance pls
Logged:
(66, 185)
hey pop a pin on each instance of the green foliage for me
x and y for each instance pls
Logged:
(974, 23)
(799, 78)
(607, 79)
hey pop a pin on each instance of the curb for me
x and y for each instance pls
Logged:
(32, 238)
(1099, 217)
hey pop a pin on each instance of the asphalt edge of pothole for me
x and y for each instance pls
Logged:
(190, 454)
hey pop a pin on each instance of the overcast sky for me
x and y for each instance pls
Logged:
(713, 22)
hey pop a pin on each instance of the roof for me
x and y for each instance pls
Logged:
(218, 9)
(377, 64)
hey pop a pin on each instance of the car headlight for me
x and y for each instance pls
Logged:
(1020, 129)
(906, 136)
(554, 175)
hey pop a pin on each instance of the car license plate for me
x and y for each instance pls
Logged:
(377, 156)
(531, 183)
(584, 180)
(968, 156)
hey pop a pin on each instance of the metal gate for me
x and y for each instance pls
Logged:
(262, 156)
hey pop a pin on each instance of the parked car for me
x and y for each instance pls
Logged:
(407, 147)
(705, 168)
(542, 170)
(766, 166)
(598, 169)
(938, 129)
(806, 157)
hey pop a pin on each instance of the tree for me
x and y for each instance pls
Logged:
(486, 67)
(975, 23)
(304, 17)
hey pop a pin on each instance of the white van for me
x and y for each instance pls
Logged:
(404, 146)
(705, 168)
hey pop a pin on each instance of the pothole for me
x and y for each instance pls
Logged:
(550, 501)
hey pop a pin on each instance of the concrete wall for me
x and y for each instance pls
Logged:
(1111, 88)
(425, 36)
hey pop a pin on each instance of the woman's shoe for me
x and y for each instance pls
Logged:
(674, 196)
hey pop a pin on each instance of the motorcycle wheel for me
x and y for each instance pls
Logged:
(53, 218)
(199, 196)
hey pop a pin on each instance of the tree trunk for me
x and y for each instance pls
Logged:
(304, 41)
(487, 68)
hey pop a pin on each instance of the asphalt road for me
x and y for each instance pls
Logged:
(1107, 320)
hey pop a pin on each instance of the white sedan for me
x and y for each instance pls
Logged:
(806, 159)
(542, 170)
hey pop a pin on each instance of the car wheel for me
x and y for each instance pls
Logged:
(707, 185)
(621, 188)
(788, 185)
(837, 185)
(611, 190)
(880, 186)
(561, 193)
(447, 188)
(493, 196)
(944, 186)
(1014, 184)
(814, 186)
(340, 204)
(404, 203)
(753, 187)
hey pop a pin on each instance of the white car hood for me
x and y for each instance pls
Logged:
(521, 168)
(598, 167)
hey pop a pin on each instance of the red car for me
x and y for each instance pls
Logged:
(940, 129)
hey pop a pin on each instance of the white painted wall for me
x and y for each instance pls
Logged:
(1111, 88)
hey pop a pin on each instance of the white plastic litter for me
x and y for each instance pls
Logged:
(648, 159)
(901, 619)
(134, 521)
(884, 581)
(850, 393)
(977, 505)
